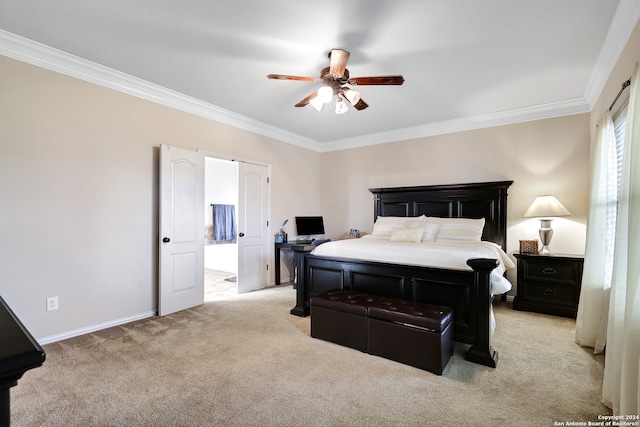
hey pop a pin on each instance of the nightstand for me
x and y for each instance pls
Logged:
(549, 284)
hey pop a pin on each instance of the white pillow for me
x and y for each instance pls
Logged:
(385, 224)
(458, 228)
(430, 232)
(406, 235)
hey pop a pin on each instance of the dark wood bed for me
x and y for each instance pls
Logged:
(468, 292)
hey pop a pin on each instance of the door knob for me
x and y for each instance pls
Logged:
(241, 234)
(166, 240)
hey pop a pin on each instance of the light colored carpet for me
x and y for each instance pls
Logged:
(245, 361)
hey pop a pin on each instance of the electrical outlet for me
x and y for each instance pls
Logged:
(52, 303)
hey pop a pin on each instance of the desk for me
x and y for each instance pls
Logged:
(19, 352)
(287, 246)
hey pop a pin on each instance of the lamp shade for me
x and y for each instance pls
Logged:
(353, 96)
(317, 103)
(341, 106)
(546, 206)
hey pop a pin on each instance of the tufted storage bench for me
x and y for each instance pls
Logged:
(340, 316)
(413, 333)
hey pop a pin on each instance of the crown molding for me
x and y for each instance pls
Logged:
(25, 50)
(622, 25)
(520, 115)
(31, 52)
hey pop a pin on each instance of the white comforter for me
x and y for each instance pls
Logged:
(444, 254)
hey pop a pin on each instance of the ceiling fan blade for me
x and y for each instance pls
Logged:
(360, 105)
(286, 77)
(338, 63)
(378, 80)
(306, 100)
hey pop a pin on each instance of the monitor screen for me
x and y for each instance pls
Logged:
(309, 225)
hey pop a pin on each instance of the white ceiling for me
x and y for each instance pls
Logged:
(466, 63)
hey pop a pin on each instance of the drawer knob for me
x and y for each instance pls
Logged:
(549, 270)
(549, 292)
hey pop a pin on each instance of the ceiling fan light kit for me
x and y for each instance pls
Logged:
(317, 103)
(341, 106)
(353, 96)
(334, 77)
(325, 94)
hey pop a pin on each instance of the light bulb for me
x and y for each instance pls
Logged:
(325, 93)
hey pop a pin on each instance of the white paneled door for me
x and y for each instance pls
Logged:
(181, 233)
(253, 238)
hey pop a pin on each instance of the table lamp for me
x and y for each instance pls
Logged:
(544, 208)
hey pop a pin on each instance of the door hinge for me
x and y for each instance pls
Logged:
(267, 223)
(267, 180)
(267, 267)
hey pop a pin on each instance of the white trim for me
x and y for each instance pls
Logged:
(215, 155)
(622, 25)
(38, 54)
(230, 158)
(93, 328)
(538, 112)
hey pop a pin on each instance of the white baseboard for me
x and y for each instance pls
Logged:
(93, 328)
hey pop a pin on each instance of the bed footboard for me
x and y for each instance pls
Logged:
(467, 292)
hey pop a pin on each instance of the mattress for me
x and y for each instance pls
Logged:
(447, 254)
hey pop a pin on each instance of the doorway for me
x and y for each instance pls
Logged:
(220, 251)
(240, 251)
(182, 227)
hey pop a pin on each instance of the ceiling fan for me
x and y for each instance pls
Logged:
(334, 78)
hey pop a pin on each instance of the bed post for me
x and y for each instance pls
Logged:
(301, 308)
(482, 352)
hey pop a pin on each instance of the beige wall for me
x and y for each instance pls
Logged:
(545, 156)
(78, 184)
(540, 157)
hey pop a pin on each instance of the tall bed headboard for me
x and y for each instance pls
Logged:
(486, 200)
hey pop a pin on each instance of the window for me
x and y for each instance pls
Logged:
(620, 123)
(614, 170)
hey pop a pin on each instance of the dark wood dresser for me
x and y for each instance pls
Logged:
(19, 352)
(549, 284)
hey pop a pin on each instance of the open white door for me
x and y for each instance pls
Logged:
(181, 231)
(253, 238)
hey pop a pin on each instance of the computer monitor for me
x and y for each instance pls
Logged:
(309, 226)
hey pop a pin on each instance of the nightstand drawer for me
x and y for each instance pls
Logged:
(550, 294)
(549, 283)
(551, 271)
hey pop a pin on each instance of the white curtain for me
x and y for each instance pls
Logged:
(591, 322)
(621, 371)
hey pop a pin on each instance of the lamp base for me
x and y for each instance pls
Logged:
(545, 250)
(546, 233)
